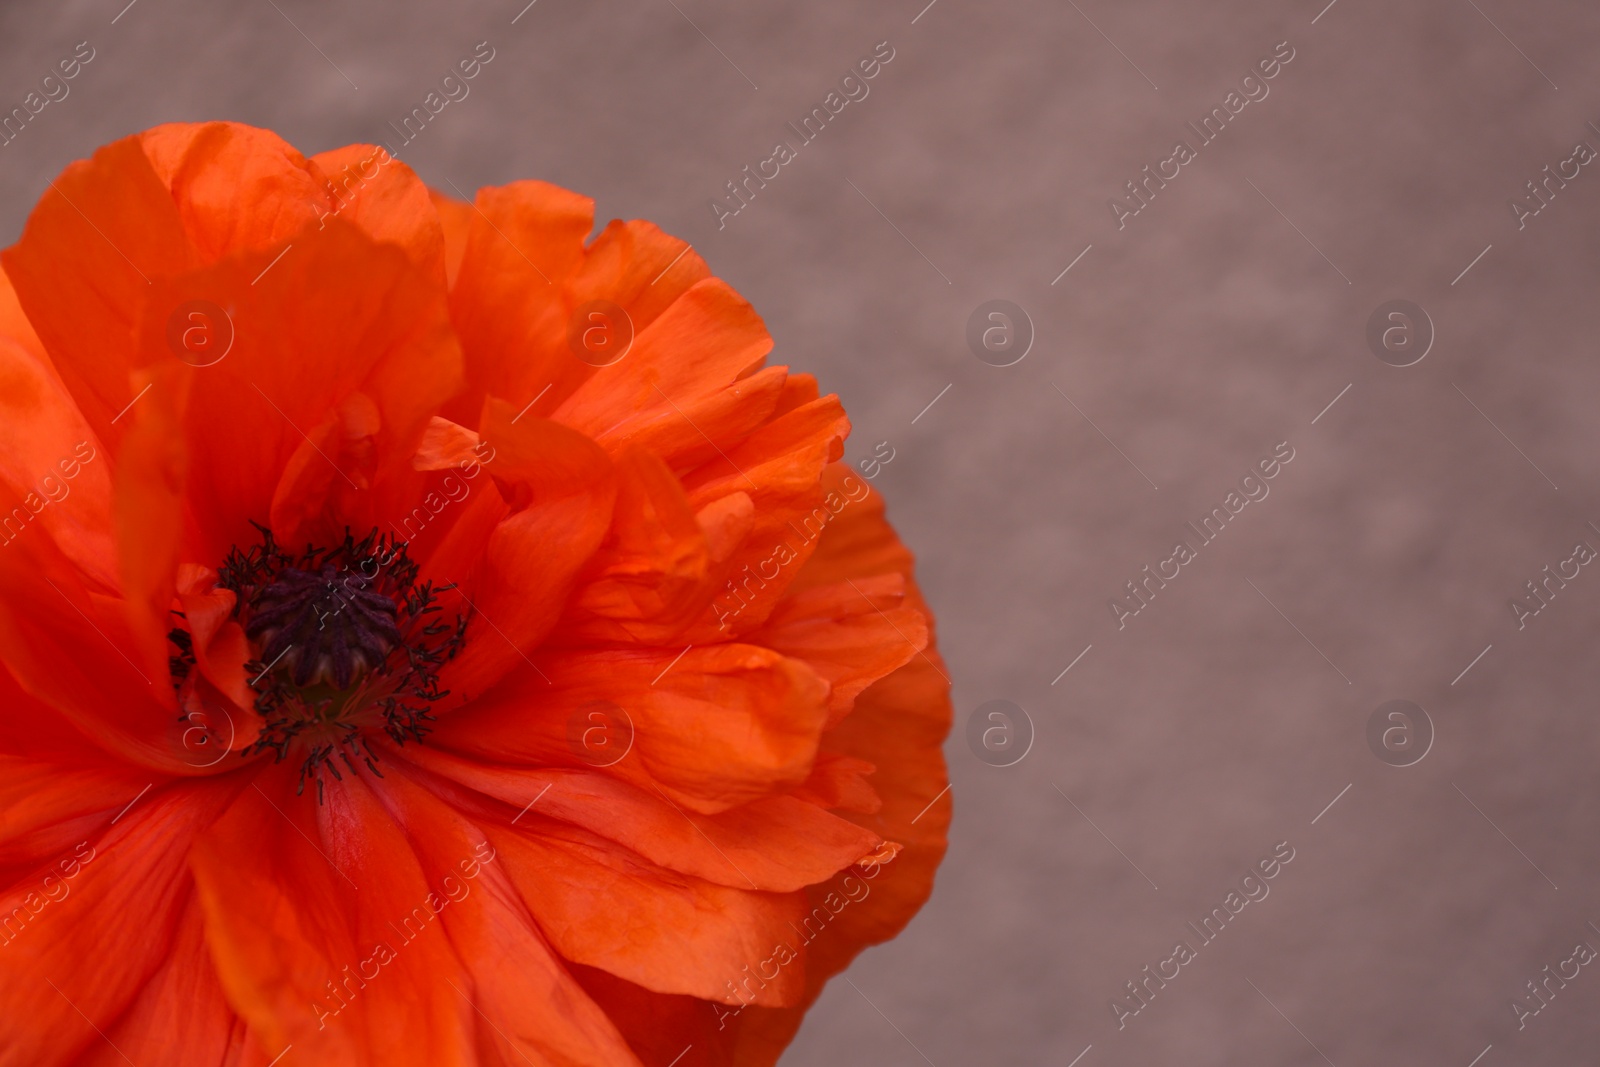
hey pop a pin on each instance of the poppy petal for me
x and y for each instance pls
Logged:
(712, 727)
(278, 383)
(898, 724)
(211, 169)
(662, 1028)
(841, 782)
(74, 961)
(141, 209)
(507, 301)
(780, 467)
(47, 807)
(383, 196)
(608, 907)
(31, 728)
(218, 641)
(48, 617)
(635, 265)
(525, 1002)
(84, 267)
(301, 899)
(707, 339)
(52, 465)
(901, 720)
(692, 430)
(181, 1017)
(776, 844)
(647, 582)
(149, 513)
(561, 488)
(524, 273)
(852, 633)
(455, 218)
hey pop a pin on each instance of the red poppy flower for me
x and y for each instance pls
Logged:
(431, 635)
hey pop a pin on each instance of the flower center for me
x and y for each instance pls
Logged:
(345, 640)
(323, 626)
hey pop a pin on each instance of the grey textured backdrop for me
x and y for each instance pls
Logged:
(1217, 323)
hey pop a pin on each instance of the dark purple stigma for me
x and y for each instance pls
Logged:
(323, 626)
(349, 640)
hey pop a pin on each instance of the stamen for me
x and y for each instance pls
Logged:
(345, 644)
(181, 662)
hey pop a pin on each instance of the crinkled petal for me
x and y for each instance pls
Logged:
(306, 907)
(777, 844)
(560, 487)
(525, 1003)
(181, 1017)
(606, 906)
(711, 727)
(85, 932)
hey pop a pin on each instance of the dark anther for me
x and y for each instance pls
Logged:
(181, 662)
(347, 639)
